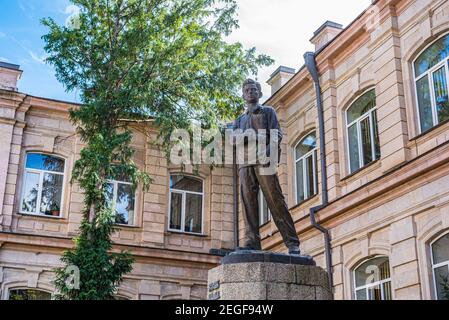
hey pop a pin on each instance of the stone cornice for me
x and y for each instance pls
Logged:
(60, 244)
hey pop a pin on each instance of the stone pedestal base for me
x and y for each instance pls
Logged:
(268, 276)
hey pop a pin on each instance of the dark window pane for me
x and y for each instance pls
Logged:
(366, 141)
(372, 271)
(175, 211)
(30, 192)
(361, 295)
(441, 97)
(354, 156)
(361, 106)
(51, 194)
(432, 56)
(124, 207)
(440, 250)
(299, 182)
(309, 177)
(376, 136)
(387, 291)
(305, 146)
(442, 282)
(375, 293)
(185, 183)
(194, 211)
(424, 104)
(28, 294)
(44, 162)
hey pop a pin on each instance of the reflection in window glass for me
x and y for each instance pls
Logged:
(362, 130)
(42, 185)
(440, 265)
(28, 294)
(186, 204)
(372, 280)
(431, 72)
(121, 197)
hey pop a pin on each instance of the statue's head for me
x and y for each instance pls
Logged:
(252, 91)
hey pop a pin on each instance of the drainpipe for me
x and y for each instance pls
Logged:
(310, 62)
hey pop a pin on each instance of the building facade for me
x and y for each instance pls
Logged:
(170, 229)
(384, 84)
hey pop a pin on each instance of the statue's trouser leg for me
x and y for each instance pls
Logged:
(278, 207)
(249, 189)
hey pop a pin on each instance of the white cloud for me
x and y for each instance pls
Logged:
(73, 12)
(282, 28)
(37, 58)
(4, 59)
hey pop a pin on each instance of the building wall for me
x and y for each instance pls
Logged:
(169, 264)
(398, 205)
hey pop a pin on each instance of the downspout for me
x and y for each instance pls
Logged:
(310, 62)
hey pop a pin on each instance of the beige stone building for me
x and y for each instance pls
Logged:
(170, 229)
(384, 86)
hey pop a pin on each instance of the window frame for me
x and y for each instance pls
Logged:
(371, 285)
(436, 266)
(314, 154)
(183, 205)
(8, 292)
(41, 179)
(114, 201)
(429, 73)
(358, 123)
(261, 221)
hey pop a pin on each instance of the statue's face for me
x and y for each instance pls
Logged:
(251, 93)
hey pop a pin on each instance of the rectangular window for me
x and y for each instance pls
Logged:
(121, 198)
(42, 185)
(265, 214)
(186, 204)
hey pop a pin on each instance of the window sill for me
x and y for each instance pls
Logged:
(429, 131)
(304, 202)
(40, 216)
(198, 235)
(126, 226)
(355, 173)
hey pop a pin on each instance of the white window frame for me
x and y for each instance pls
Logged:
(183, 208)
(371, 285)
(358, 122)
(436, 266)
(429, 73)
(40, 186)
(114, 201)
(261, 198)
(304, 158)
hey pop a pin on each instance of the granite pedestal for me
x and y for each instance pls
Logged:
(258, 275)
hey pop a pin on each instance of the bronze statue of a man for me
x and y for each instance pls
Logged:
(262, 120)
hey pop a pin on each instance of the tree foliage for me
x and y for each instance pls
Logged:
(136, 60)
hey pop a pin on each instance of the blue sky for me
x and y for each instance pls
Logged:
(21, 43)
(280, 28)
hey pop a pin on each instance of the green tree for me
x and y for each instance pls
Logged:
(131, 61)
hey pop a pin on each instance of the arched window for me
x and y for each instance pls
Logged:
(42, 185)
(28, 294)
(363, 137)
(431, 75)
(372, 280)
(305, 168)
(186, 204)
(264, 211)
(440, 267)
